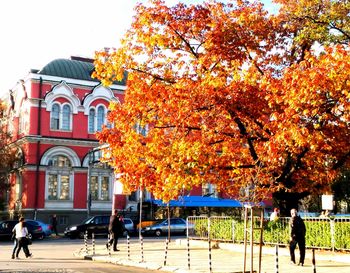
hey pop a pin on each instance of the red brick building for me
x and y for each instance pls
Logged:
(54, 114)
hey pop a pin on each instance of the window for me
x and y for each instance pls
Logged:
(66, 114)
(209, 190)
(97, 120)
(99, 187)
(108, 124)
(55, 114)
(143, 130)
(23, 119)
(135, 196)
(100, 117)
(59, 176)
(62, 220)
(92, 115)
(61, 118)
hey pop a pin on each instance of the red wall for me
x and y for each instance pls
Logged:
(80, 191)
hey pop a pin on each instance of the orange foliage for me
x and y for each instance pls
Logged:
(230, 95)
(8, 152)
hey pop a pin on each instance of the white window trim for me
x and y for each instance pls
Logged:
(99, 174)
(61, 150)
(70, 117)
(60, 117)
(62, 90)
(94, 121)
(99, 92)
(75, 162)
(59, 172)
(96, 115)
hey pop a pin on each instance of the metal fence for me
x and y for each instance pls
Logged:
(322, 233)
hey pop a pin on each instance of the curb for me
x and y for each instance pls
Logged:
(321, 255)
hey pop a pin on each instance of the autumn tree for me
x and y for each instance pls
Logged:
(8, 152)
(255, 103)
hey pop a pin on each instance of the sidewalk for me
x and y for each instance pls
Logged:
(225, 258)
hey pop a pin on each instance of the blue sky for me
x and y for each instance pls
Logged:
(35, 32)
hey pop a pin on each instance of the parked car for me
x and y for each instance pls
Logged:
(47, 228)
(34, 229)
(177, 225)
(129, 226)
(96, 224)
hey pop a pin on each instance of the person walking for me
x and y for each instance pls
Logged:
(15, 243)
(275, 214)
(115, 229)
(21, 237)
(54, 224)
(297, 236)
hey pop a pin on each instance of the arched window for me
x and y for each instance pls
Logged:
(92, 115)
(108, 123)
(59, 178)
(100, 117)
(66, 116)
(61, 117)
(97, 118)
(55, 117)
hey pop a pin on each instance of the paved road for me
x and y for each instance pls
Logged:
(226, 259)
(56, 255)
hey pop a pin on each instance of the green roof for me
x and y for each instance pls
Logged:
(72, 69)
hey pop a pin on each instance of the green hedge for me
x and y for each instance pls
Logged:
(318, 233)
(342, 235)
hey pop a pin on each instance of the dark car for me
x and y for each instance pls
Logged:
(47, 228)
(6, 227)
(95, 224)
(177, 225)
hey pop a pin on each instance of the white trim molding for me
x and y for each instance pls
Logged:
(61, 150)
(99, 92)
(62, 90)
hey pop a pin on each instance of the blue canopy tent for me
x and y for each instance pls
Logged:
(199, 201)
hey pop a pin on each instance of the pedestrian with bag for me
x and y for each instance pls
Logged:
(297, 237)
(15, 242)
(23, 241)
(115, 229)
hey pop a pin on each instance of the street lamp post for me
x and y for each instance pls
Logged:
(93, 158)
(88, 199)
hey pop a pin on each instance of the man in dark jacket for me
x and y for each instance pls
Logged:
(115, 229)
(297, 236)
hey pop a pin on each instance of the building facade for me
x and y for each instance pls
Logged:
(54, 114)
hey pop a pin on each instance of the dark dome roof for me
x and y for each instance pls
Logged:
(73, 69)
